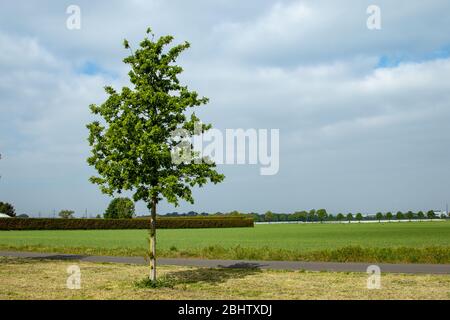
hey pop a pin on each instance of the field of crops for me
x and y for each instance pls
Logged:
(420, 241)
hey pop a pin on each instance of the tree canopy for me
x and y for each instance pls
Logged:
(132, 147)
(120, 208)
(7, 209)
(66, 214)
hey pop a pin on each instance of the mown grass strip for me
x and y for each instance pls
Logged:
(46, 279)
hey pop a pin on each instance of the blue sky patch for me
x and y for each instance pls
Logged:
(386, 61)
(91, 69)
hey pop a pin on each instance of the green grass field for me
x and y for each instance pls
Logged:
(386, 242)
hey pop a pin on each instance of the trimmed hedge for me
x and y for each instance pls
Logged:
(139, 223)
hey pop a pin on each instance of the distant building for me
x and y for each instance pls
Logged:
(2, 215)
(438, 214)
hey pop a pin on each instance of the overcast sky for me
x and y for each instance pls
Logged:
(363, 114)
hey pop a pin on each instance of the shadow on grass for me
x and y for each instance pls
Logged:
(60, 257)
(41, 259)
(216, 275)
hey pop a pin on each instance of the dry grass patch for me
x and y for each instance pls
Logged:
(46, 279)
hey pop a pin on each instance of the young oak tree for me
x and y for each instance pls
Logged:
(133, 146)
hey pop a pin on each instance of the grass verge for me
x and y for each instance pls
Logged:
(46, 279)
(430, 255)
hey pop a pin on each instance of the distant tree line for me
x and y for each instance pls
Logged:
(322, 215)
(269, 216)
(189, 214)
(123, 208)
(313, 215)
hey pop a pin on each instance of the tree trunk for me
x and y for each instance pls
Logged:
(153, 241)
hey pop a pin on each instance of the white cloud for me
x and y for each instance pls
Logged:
(23, 52)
